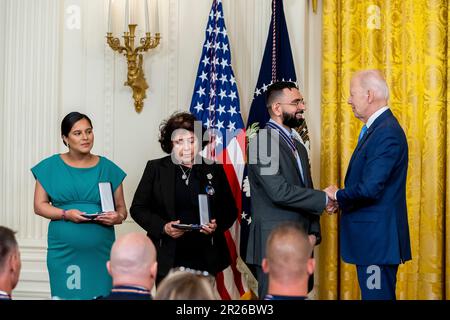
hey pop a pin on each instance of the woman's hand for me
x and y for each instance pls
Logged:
(171, 231)
(209, 227)
(110, 218)
(75, 216)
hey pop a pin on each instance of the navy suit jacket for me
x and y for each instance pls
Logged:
(374, 223)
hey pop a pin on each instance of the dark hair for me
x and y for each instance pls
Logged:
(275, 90)
(8, 243)
(68, 122)
(178, 120)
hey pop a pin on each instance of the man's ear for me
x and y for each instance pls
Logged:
(14, 265)
(17, 261)
(276, 109)
(11, 261)
(311, 266)
(154, 270)
(108, 267)
(265, 266)
(370, 96)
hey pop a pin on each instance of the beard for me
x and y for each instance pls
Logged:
(291, 120)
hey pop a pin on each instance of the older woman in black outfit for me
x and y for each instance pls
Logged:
(168, 194)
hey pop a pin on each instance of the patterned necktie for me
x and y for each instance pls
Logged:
(362, 133)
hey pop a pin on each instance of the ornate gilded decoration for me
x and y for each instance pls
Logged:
(135, 77)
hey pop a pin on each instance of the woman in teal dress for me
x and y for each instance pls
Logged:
(67, 190)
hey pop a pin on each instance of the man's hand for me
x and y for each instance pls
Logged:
(332, 206)
(331, 192)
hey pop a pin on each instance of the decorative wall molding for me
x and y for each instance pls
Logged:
(108, 125)
(30, 108)
(29, 130)
(172, 43)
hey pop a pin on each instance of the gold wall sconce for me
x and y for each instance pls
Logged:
(134, 54)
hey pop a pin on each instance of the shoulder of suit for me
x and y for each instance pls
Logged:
(388, 129)
(160, 162)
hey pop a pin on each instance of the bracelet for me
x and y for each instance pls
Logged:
(64, 215)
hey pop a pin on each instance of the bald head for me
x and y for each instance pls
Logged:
(132, 255)
(288, 251)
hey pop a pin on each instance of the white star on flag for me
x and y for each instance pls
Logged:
(199, 107)
(219, 125)
(225, 48)
(231, 126)
(204, 76)
(223, 78)
(222, 94)
(232, 110)
(201, 91)
(224, 63)
(232, 80)
(206, 61)
(221, 109)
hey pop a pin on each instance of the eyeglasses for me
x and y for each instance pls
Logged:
(295, 104)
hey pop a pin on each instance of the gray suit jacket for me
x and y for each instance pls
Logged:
(281, 195)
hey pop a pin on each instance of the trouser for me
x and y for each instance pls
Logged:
(377, 282)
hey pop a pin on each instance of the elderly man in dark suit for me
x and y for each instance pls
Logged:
(374, 232)
(280, 179)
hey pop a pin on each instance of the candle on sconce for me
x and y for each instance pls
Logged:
(133, 9)
(109, 16)
(156, 22)
(127, 15)
(147, 27)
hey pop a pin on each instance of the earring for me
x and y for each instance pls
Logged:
(68, 146)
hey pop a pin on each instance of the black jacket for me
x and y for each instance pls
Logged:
(154, 205)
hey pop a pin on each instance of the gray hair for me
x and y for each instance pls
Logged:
(374, 80)
(8, 245)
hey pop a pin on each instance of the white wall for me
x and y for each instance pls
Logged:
(53, 63)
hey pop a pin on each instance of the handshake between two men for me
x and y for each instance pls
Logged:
(332, 205)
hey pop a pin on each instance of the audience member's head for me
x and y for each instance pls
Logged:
(186, 284)
(9, 260)
(288, 261)
(133, 261)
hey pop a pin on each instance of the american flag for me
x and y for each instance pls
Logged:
(215, 102)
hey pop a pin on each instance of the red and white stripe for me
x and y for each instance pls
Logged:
(230, 282)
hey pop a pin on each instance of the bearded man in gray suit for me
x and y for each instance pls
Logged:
(280, 177)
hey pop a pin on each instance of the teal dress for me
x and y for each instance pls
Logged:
(78, 252)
